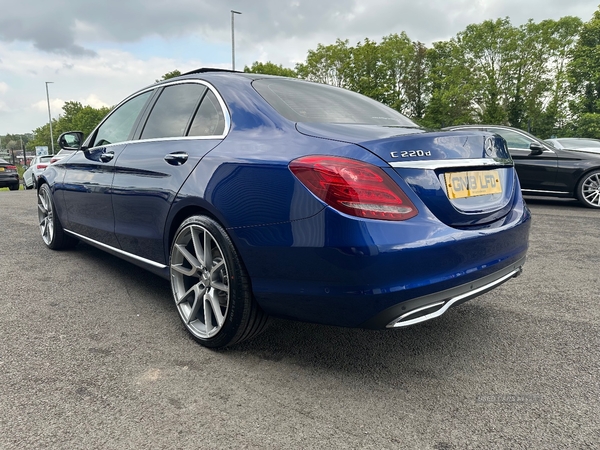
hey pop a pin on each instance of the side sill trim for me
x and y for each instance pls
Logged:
(116, 250)
(543, 192)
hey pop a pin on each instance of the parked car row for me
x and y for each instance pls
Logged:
(9, 176)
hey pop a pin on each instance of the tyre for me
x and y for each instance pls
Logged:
(51, 229)
(588, 189)
(211, 287)
(14, 187)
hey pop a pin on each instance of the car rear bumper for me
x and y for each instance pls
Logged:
(434, 305)
(9, 180)
(343, 271)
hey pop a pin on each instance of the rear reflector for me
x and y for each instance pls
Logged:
(353, 187)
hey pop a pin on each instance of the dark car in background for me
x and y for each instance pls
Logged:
(9, 176)
(546, 170)
(260, 196)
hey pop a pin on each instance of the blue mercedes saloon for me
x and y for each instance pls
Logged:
(261, 196)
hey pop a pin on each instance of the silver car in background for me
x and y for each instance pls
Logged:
(577, 144)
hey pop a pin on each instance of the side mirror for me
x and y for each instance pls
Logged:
(70, 140)
(536, 149)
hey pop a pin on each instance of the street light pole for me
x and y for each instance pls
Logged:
(50, 116)
(233, 13)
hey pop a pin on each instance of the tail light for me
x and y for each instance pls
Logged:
(41, 166)
(353, 187)
(53, 160)
(11, 167)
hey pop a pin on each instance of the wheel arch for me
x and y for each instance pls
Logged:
(584, 174)
(179, 217)
(580, 180)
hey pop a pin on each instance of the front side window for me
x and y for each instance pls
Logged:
(117, 128)
(301, 101)
(514, 140)
(173, 111)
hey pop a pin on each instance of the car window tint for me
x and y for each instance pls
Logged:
(514, 140)
(209, 120)
(318, 103)
(117, 127)
(172, 112)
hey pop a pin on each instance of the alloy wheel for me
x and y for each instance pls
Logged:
(199, 279)
(46, 216)
(590, 190)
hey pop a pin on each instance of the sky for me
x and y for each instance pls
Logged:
(97, 52)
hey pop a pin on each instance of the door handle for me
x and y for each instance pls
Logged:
(177, 158)
(107, 156)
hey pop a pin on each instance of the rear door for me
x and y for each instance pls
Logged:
(186, 122)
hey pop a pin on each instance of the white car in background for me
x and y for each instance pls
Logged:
(60, 155)
(577, 144)
(36, 167)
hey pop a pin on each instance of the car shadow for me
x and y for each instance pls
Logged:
(553, 201)
(439, 348)
(435, 349)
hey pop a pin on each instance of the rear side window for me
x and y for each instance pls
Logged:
(117, 127)
(173, 111)
(209, 120)
(302, 101)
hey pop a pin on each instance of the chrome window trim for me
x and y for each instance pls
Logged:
(209, 86)
(116, 250)
(452, 163)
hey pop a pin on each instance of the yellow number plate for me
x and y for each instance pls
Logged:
(1, 169)
(472, 183)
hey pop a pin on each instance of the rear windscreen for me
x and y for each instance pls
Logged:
(302, 101)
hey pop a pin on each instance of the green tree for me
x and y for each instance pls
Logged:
(560, 38)
(169, 75)
(584, 76)
(75, 117)
(452, 87)
(327, 64)
(364, 72)
(270, 68)
(397, 54)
